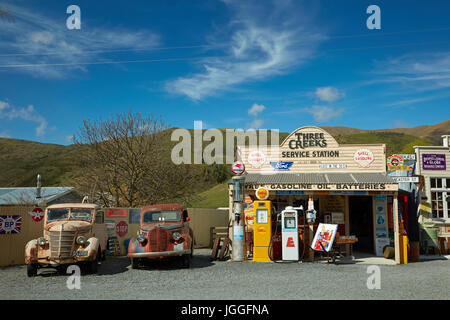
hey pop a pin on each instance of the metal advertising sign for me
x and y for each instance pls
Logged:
(122, 229)
(238, 168)
(433, 161)
(37, 214)
(10, 224)
(363, 157)
(116, 212)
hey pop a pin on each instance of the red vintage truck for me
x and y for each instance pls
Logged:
(164, 232)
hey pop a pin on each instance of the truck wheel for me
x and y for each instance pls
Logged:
(134, 263)
(93, 265)
(32, 270)
(186, 261)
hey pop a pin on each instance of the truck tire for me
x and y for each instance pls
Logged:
(32, 270)
(134, 263)
(93, 265)
(186, 261)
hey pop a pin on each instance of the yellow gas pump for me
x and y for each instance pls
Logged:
(262, 230)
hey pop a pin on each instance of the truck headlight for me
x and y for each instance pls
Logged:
(176, 236)
(41, 241)
(140, 238)
(81, 240)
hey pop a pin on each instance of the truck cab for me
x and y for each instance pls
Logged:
(74, 233)
(164, 232)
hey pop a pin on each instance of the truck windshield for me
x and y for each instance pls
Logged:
(156, 216)
(81, 214)
(57, 214)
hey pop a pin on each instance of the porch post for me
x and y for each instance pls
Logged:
(396, 228)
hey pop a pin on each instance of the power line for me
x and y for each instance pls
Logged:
(212, 46)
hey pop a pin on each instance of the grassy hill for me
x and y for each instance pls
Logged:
(21, 161)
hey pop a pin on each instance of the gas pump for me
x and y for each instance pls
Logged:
(289, 234)
(262, 230)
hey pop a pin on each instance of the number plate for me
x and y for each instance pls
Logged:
(80, 253)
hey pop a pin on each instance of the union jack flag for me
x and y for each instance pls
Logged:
(10, 224)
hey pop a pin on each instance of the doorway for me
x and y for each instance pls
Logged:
(361, 222)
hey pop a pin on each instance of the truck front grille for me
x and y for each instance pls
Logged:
(158, 238)
(61, 243)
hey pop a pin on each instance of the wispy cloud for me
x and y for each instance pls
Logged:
(324, 113)
(266, 40)
(38, 39)
(29, 113)
(255, 124)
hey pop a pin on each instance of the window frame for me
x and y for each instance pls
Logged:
(444, 189)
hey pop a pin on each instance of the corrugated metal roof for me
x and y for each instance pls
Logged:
(18, 196)
(318, 178)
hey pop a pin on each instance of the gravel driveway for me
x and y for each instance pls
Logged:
(233, 280)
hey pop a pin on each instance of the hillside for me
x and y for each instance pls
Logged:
(432, 133)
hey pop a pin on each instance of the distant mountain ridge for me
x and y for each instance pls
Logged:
(432, 133)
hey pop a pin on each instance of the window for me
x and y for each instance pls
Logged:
(440, 193)
(80, 214)
(161, 216)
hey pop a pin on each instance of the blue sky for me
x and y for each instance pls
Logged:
(234, 64)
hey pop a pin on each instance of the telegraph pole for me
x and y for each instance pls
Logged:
(238, 213)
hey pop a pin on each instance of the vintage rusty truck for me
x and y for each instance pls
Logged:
(164, 232)
(74, 233)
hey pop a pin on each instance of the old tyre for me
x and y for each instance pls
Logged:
(93, 265)
(134, 263)
(186, 261)
(32, 270)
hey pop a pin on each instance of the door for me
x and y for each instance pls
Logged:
(361, 222)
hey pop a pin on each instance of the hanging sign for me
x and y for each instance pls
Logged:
(238, 168)
(116, 212)
(10, 224)
(37, 214)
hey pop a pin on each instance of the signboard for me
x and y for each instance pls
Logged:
(405, 179)
(110, 225)
(116, 212)
(281, 165)
(238, 168)
(324, 237)
(256, 159)
(10, 224)
(363, 157)
(433, 161)
(338, 218)
(37, 214)
(395, 161)
(380, 244)
(122, 229)
(262, 193)
(380, 214)
(325, 186)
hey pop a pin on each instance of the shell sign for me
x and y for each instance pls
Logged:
(262, 193)
(363, 157)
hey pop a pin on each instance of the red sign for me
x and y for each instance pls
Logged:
(37, 214)
(290, 243)
(238, 168)
(122, 229)
(115, 212)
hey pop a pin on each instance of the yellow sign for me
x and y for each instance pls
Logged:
(262, 193)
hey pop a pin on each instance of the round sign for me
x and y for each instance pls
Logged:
(37, 214)
(256, 159)
(364, 157)
(238, 168)
(395, 161)
(122, 229)
(262, 193)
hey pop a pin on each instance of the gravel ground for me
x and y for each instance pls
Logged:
(233, 280)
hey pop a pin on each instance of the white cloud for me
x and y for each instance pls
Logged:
(9, 112)
(38, 39)
(324, 113)
(328, 94)
(255, 124)
(264, 41)
(256, 109)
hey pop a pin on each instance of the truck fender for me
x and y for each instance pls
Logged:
(31, 250)
(93, 247)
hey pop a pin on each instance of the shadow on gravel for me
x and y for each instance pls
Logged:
(198, 261)
(113, 265)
